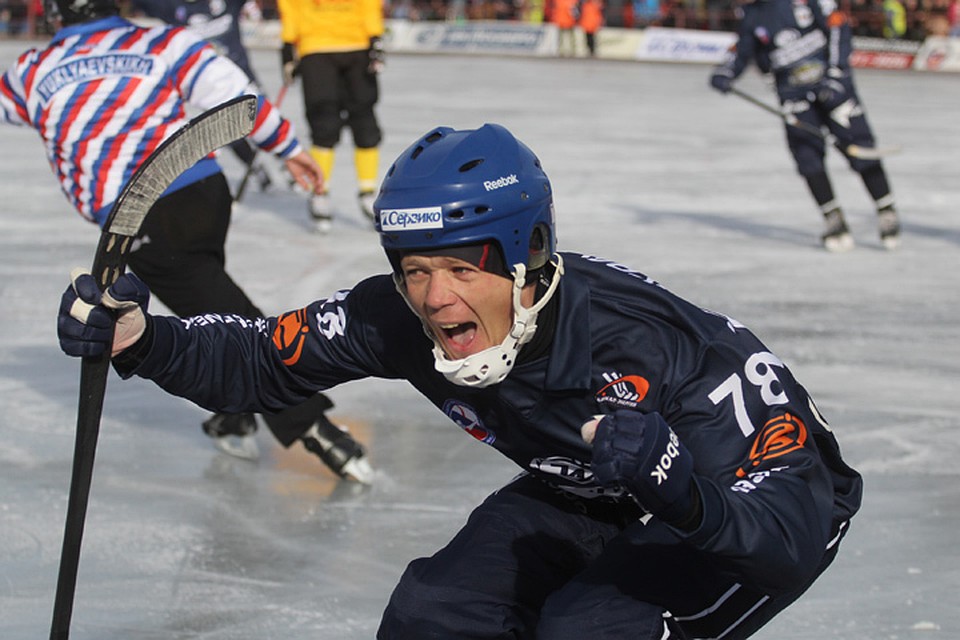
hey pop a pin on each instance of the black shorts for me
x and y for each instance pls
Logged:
(338, 91)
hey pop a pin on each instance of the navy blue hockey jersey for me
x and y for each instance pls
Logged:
(776, 493)
(215, 20)
(795, 40)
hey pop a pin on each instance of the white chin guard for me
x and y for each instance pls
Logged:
(491, 366)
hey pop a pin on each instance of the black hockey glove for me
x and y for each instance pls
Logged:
(289, 64)
(641, 453)
(831, 91)
(721, 81)
(378, 57)
(89, 322)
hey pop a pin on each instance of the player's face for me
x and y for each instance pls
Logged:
(467, 309)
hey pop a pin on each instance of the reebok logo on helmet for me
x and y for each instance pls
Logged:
(505, 181)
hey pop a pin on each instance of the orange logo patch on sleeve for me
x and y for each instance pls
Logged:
(779, 436)
(290, 334)
(836, 19)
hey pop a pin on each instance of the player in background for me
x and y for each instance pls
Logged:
(217, 21)
(806, 46)
(336, 49)
(676, 480)
(103, 95)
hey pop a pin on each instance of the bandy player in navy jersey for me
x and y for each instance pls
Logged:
(103, 95)
(806, 46)
(677, 481)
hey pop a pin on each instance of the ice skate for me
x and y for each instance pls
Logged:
(336, 447)
(889, 225)
(321, 211)
(836, 236)
(366, 199)
(233, 433)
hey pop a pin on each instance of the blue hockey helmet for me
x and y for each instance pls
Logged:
(453, 188)
(76, 11)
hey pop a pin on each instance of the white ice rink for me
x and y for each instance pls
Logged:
(650, 168)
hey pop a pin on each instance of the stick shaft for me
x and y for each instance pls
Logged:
(242, 187)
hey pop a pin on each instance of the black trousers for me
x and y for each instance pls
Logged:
(535, 562)
(181, 253)
(181, 258)
(339, 91)
(849, 125)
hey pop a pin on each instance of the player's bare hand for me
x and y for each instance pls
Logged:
(306, 172)
(589, 429)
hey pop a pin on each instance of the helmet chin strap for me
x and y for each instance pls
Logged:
(491, 366)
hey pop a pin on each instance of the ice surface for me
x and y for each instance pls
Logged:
(650, 168)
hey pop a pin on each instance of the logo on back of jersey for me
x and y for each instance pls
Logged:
(75, 70)
(623, 391)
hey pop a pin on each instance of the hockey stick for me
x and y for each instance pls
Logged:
(853, 150)
(199, 137)
(242, 187)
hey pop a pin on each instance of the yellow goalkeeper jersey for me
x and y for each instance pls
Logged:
(327, 26)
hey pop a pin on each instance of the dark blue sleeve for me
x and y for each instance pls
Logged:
(775, 490)
(233, 364)
(742, 53)
(768, 468)
(836, 26)
(232, 40)
(159, 9)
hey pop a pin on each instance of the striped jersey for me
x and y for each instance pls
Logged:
(104, 94)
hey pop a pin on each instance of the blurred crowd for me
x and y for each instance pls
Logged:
(902, 19)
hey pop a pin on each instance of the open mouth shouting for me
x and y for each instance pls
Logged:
(459, 339)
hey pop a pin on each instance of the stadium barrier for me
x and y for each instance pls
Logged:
(653, 44)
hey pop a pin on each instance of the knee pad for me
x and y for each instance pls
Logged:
(862, 165)
(412, 609)
(420, 611)
(365, 130)
(325, 124)
(808, 158)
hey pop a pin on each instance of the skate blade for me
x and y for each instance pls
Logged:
(243, 447)
(891, 243)
(323, 225)
(839, 243)
(359, 470)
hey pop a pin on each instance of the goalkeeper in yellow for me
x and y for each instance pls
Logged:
(335, 47)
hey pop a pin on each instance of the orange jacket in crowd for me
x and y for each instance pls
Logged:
(564, 13)
(591, 15)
